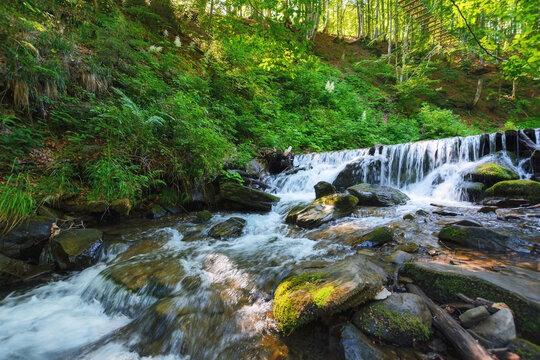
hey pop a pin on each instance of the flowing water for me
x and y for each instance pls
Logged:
(166, 290)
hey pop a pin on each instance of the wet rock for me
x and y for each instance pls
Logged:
(399, 257)
(276, 161)
(307, 294)
(474, 191)
(402, 319)
(379, 236)
(504, 203)
(232, 227)
(49, 212)
(256, 168)
(357, 346)
(377, 195)
(408, 217)
(157, 211)
(89, 207)
(497, 330)
(480, 238)
(244, 198)
(491, 173)
(19, 269)
(526, 189)
(204, 216)
(517, 287)
(524, 349)
(446, 213)
(466, 222)
(323, 188)
(473, 316)
(357, 172)
(322, 210)
(422, 212)
(535, 164)
(76, 249)
(27, 239)
(487, 209)
(121, 206)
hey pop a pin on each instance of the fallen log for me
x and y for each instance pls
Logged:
(463, 342)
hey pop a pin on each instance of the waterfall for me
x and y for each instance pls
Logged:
(432, 168)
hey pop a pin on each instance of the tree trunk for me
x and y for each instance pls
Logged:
(478, 90)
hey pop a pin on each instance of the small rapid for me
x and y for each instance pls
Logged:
(167, 290)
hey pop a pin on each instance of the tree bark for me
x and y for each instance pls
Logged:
(478, 91)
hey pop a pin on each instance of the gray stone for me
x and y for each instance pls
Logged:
(399, 257)
(377, 195)
(27, 238)
(229, 228)
(322, 211)
(76, 249)
(497, 330)
(244, 198)
(323, 188)
(357, 346)
(480, 238)
(157, 211)
(473, 316)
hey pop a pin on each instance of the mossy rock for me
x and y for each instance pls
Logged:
(204, 216)
(491, 173)
(229, 228)
(323, 188)
(377, 195)
(517, 287)
(121, 206)
(379, 236)
(474, 191)
(76, 248)
(526, 189)
(305, 296)
(525, 349)
(480, 238)
(402, 319)
(322, 211)
(244, 198)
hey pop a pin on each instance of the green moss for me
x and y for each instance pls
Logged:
(527, 189)
(525, 349)
(444, 288)
(321, 296)
(452, 233)
(496, 170)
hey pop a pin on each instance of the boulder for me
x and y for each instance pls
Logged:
(229, 228)
(27, 239)
(76, 249)
(157, 211)
(357, 346)
(121, 206)
(466, 222)
(402, 319)
(322, 210)
(377, 195)
(519, 288)
(491, 173)
(535, 164)
(19, 269)
(473, 316)
(399, 257)
(366, 170)
(307, 294)
(323, 188)
(203, 216)
(379, 236)
(497, 330)
(241, 197)
(526, 189)
(473, 191)
(480, 238)
(276, 161)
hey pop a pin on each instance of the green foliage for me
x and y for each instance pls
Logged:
(230, 176)
(438, 123)
(16, 201)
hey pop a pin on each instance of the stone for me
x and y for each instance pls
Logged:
(519, 288)
(27, 239)
(474, 191)
(399, 257)
(487, 209)
(309, 293)
(357, 346)
(526, 189)
(422, 212)
(497, 330)
(204, 216)
(76, 249)
(322, 211)
(379, 236)
(480, 238)
(524, 349)
(231, 227)
(535, 164)
(323, 188)
(377, 195)
(408, 217)
(473, 316)
(256, 168)
(402, 319)
(21, 269)
(157, 211)
(121, 206)
(357, 172)
(491, 173)
(446, 213)
(466, 222)
(241, 197)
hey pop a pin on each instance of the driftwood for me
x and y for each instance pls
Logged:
(463, 342)
(480, 302)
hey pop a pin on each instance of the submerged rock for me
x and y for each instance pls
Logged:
(399, 257)
(229, 228)
(244, 198)
(480, 238)
(322, 210)
(76, 249)
(377, 195)
(402, 319)
(526, 189)
(308, 294)
(357, 346)
(497, 330)
(517, 287)
(27, 238)
(379, 236)
(491, 173)
(323, 188)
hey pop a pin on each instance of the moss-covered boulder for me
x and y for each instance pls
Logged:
(491, 173)
(76, 249)
(402, 319)
(377, 195)
(379, 236)
(322, 210)
(323, 188)
(20, 270)
(121, 206)
(308, 294)
(480, 238)
(203, 216)
(244, 198)
(27, 239)
(524, 349)
(229, 228)
(525, 189)
(517, 287)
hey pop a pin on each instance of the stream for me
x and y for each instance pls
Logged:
(164, 289)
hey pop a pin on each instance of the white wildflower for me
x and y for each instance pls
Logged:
(177, 41)
(165, 32)
(329, 86)
(154, 48)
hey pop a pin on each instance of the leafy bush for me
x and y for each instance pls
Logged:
(437, 123)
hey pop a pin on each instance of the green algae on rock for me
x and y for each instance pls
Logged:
(322, 210)
(228, 228)
(480, 238)
(76, 248)
(491, 173)
(306, 295)
(526, 189)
